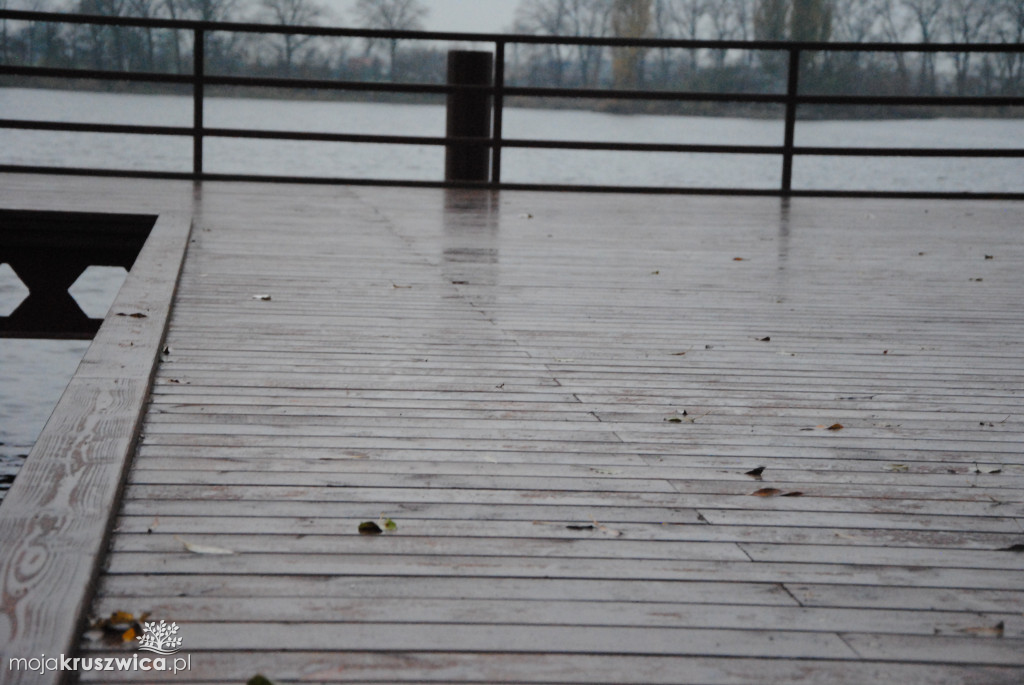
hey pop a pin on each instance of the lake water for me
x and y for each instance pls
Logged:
(34, 373)
(418, 162)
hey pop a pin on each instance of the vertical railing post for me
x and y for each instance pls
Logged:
(469, 115)
(198, 75)
(792, 88)
(499, 103)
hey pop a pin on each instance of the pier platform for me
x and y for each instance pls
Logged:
(619, 439)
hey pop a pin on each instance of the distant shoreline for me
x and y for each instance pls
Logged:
(609, 106)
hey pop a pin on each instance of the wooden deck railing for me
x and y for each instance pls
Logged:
(791, 99)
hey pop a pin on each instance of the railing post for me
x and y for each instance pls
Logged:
(499, 104)
(469, 115)
(792, 88)
(198, 74)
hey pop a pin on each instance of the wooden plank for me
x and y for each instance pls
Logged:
(696, 531)
(488, 380)
(363, 668)
(382, 562)
(670, 612)
(56, 519)
(135, 590)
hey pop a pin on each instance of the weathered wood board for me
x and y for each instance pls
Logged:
(559, 399)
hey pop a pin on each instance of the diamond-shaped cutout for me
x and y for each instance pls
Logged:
(96, 288)
(12, 291)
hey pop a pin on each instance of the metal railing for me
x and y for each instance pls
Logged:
(790, 100)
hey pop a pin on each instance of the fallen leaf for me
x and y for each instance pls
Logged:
(133, 315)
(836, 427)
(369, 528)
(259, 680)
(580, 527)
(390, 525)
(119, 627)
(988, 256)
(674, 419)
(1019, 547)
(737, 259)
(793, 494)
(263, 298)
(994, 631)
(897, 468)
(460, 282)
(202, 549)
(764, 339)
(655, 273)
(766, 492)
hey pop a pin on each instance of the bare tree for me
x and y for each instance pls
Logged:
(292, 13)
(892, 27)
(1010, 29)
(146, 9)
(391, 15)
(547, 18)
(591, 18)
(678, 19)
(630, 19)
(966, 21)
(925, 15)
(3, 34)
(854, 21)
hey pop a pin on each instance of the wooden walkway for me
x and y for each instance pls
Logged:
(559, 399)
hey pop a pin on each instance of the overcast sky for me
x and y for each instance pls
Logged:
(475, 16)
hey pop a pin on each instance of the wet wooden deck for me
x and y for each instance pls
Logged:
(557, 398)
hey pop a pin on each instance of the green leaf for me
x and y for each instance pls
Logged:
(390, 525)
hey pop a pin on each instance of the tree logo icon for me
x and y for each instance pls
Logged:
(159, 638)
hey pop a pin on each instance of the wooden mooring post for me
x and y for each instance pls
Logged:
(469, 116)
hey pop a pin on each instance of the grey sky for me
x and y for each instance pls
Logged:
(480, 16)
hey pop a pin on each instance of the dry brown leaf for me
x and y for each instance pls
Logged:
(836, 427)
(766, 492)
(992, 631)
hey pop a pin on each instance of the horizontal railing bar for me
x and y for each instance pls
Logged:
(250, 27)
(96, 74)
(993, 152)
(82, 127)
(258, 134)
(616, 94)
(518, 91)
(664, 190)
(909, 100)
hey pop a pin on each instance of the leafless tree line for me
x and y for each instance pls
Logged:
(853, 21)
(135, 49)
(850, 21)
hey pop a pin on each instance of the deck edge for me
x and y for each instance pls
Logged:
(56, 521)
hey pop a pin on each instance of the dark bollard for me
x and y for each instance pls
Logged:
(469, 116)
